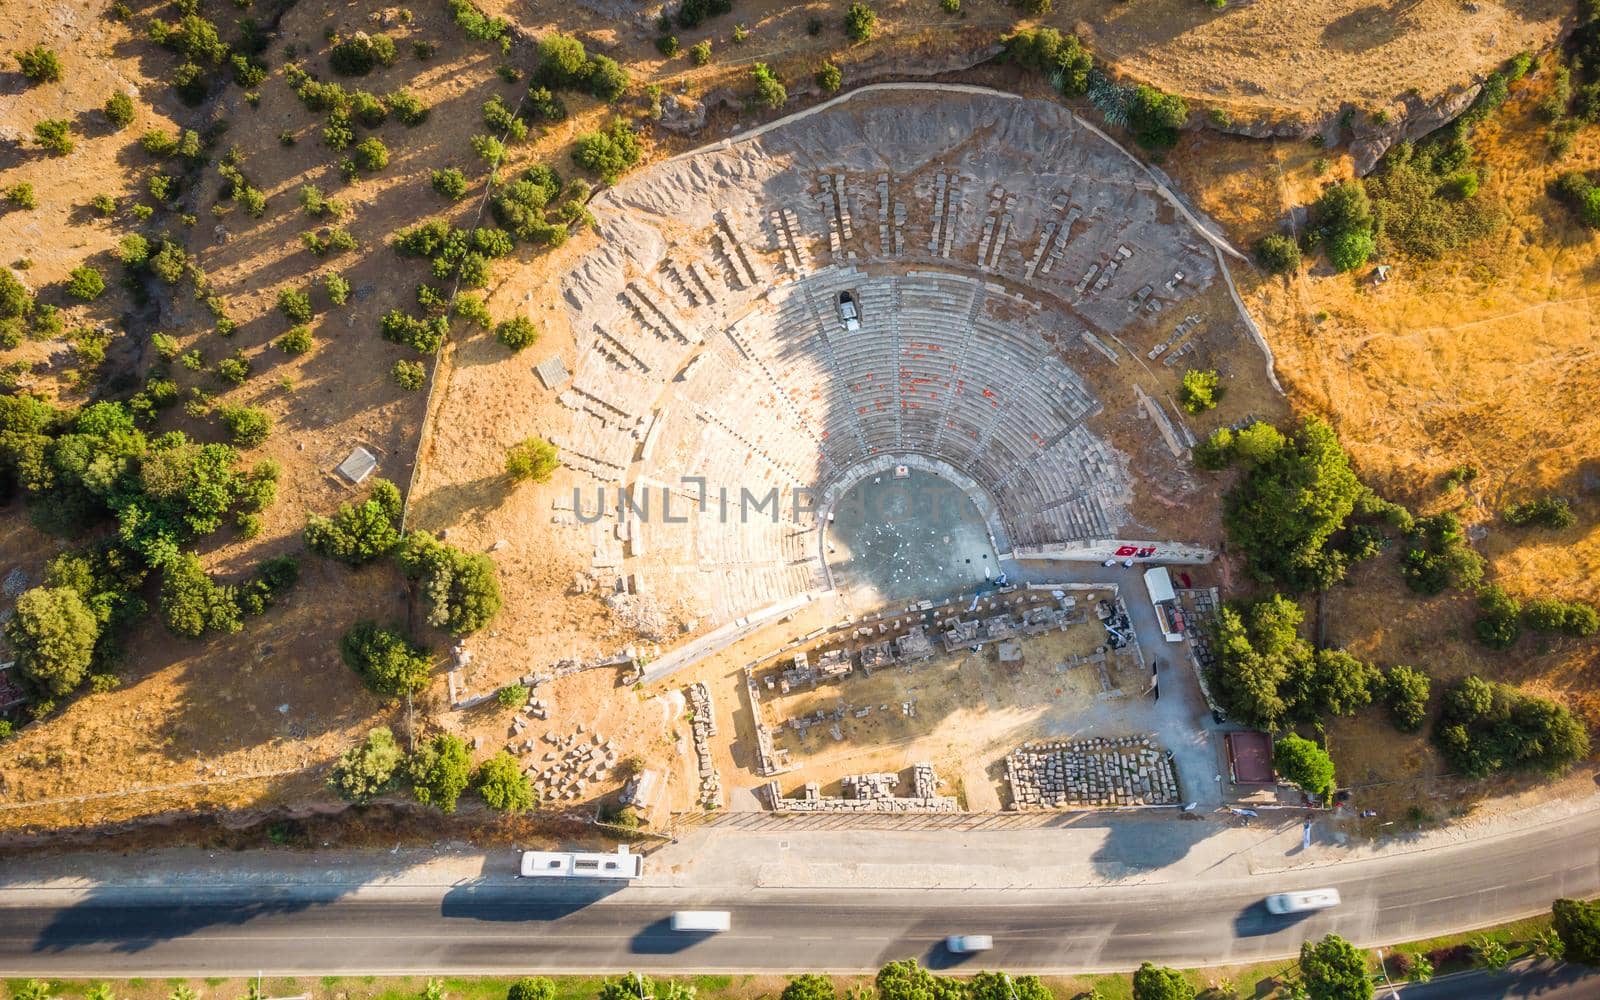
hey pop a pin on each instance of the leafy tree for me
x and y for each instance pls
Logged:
(1278, 254)
(440, 771)
(520, 206)
(770, 91)
(86, 283)
(54, 635)
(503, 786)
(1155, 117)
(532, 988)
(860, 22)
(1577, 924)
(337, 287)
(368, 769)
(533, 458)
(386, 661)
(1303, 763)
(810, 986)
(1496, 626)
(462, 588)
(22, 196)
(1332, 969)
(1200, 390)
(563, 63)
(1000, 986)
(39, 65)
(700, 53)
(1342, 218)
(1258, 652)
(192, 603)
(1154, 982)
(295, 305)
(610, 153)
(1406, 693)
(297, 340)
(359, 533)
(1295, 495)
(906, 980)
(370, 155)
(1485, 727)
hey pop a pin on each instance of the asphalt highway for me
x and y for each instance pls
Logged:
(497, 925)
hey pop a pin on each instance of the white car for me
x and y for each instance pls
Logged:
(966, 944)
(1302, 902)
(701, 921)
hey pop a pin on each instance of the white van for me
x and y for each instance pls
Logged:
(967, 944)
(1302, 902)
(701, 921)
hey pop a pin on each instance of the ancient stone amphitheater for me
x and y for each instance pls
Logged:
(906, 278)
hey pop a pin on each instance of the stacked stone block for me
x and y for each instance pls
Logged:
(1124, 771)
(703, 724)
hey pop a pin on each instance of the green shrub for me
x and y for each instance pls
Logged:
(234, 369)
(1278, 254)
(387, 663)
(295, 305)
(691, 13)
(450, 182)
(1155, 982)
(498, 117)
(297, 340)
(54, 135)
(409, 375)
(1437, 556)
(368, 769)
(1554, 513)
(1342, 217)
(1496, 625)
(563, 63)
(367, 109)
(104, 205)
(118, 110)
(532, 988)
(1334, 968)
(533, 458)
(489, 149)
(1200, 390)
(700, 53)
(247, 426)
(769, 90)
(1155, 117)
(479, 25)
(511, 696)
(610, 153)
(39, 65)
(360, 54)
(370, 155)
(406, 107)
(1059, 57)
(607, 79)
(85, 283)
(1577, 925)
(860, 22)
(22, 196)
(1549, 614)
(667, 45)
(359, 533)
(337, 287)
(516, 333)
(503, 786)
(829, 79)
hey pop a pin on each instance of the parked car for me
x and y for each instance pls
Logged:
(966, 944)
(1303, 901)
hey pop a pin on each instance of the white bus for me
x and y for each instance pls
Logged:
(701, 921)
(582, 864)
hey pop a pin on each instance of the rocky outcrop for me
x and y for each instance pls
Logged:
(1417, 120)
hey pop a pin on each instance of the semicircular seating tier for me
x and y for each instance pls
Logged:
(891, 277)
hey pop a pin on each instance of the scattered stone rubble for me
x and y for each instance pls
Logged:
(869, 793)
(1125, 771)
(703, 723)
(570, 766)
